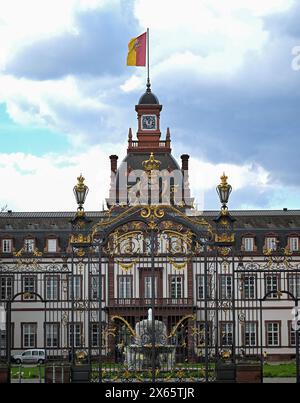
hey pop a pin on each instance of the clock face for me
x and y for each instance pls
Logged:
(149, 122)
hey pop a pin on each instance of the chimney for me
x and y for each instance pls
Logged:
(168, 138)
(185, 162)
(114, 163)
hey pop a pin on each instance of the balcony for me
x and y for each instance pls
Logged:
(136, 145)
(146, 302)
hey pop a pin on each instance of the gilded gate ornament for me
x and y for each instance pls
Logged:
(151, 165)
(178, 265)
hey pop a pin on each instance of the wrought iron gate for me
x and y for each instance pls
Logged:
(151, 294)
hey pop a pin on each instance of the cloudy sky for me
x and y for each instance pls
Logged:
(221, 69)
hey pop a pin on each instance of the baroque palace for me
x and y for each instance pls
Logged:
(151, 283)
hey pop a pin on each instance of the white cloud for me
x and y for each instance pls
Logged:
(206, 40)
(23, 22)
(205, 37)
(62, 105)
(205, 176)
(31, 183)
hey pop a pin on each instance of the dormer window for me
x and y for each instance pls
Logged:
(271, 243)
(52, 245)
(248, 244)
(293, 244)
(29, 245)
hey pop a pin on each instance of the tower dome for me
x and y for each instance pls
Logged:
(148, 98)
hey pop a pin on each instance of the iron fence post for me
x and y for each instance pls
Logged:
(297, 342)
(8, 338)
(152, 240)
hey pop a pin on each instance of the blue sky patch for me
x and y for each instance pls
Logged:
(28, 139)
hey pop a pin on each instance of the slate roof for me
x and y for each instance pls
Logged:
(246, 220)
(135, 160)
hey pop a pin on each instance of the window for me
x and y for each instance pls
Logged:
(294, 284)
(52, 245)
(271, 243)
(248, 244)
(95, 334)
(3, 339)
(29, 333)
(52, 288)
(29, 245)
(125, 287)
(6, 245)
(77, 286)
(95, 291)
(226, 286)
(6, 287)
(148, 286)
(294, 244)
(292, 335)
(200, 286)
(52, 335)
(271, 285)
(77, 337)
(249, 287)
(176, 287)
(226, 334)
(273, 333)
(29, 287)
(250, 334)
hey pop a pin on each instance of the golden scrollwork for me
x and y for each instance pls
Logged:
(178, 265)
(155, 211)
(224, 251)
(227, 238)
(126, 323)
(152, 213)
(80, 252)
(126, 266)
(27, 295)
(35, 252)
(125, 244)
(192, 317)
(81, 239)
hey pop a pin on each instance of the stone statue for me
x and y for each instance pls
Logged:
(150, 315)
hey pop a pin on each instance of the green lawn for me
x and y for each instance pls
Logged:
(27, 372)
(287, 370)
(280, 370)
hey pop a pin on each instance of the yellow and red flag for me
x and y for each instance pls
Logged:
(137, 51)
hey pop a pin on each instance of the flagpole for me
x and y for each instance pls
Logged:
(148, 60)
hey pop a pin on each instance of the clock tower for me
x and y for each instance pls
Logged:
(148, 153)
(148, 133)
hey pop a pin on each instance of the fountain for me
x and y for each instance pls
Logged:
(139, 354)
